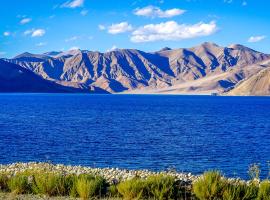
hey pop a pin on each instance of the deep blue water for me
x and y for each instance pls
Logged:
(188, 133)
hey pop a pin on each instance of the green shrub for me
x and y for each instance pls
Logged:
(183, 190)
(113, 191)
(70, 185)
(52, 184)
(239, 191)
(89, 186)
(3, 183)
(131, 189)
(264, 190)
(160, 187)
(251, 192)
(210, 186)
(19, 184)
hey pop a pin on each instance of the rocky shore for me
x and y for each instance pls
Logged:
(112, 175)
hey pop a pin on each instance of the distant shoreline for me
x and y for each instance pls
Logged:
(132, 94)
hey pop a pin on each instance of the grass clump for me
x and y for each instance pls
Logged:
(210, 186)
(51, 184)
(89, 186)
(157, 187)
(264, 190)
(113, 191)
(160, 187)
(254, 172)
(131, 189)
(3, 183)
(240, 191)
(19, 184)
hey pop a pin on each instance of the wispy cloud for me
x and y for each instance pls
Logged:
(7, 33)
(259, 38)
(119, 28)
(173, 31)
(2, 53)
(101, 27)
(114, 47)
(73, 4)
(41, 44)
(73, 38)
(84, 12)
(25, 21)
(156, 12)
(35, 32)
(228, 1)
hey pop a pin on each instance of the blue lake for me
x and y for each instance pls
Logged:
(188, 133)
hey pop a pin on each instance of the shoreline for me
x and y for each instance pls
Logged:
(35, 180)
(109, 174)
(131, 94)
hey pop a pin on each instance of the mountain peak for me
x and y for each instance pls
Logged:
(25, 54)
(241, 47)
(237, 46)
(53, 53)
(209, 44)
(29, 56)
(165, 49)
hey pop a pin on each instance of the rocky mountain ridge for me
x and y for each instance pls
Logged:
(204, 69)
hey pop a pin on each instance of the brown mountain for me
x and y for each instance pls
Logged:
(206, 68)
(14, 78)
(256, 85)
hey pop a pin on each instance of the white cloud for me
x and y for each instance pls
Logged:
(101, 27)
(119, 28)
(114, 47)
(256, 38)
(156, 12)
(171, 30)
(41, 44)
(84, 12)
(73, 4)
(2, 53)
(27, 32)
(38, 33)
(7, 33)
(35, 32)
(25, 20)
(74, 38)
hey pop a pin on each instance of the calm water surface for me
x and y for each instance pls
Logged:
(188, 133)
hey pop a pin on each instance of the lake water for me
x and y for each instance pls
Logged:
(187, 133)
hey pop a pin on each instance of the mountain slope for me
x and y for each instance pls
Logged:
(256, 85)
(14, 78)
(128, 70)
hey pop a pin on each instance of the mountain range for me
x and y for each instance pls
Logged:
(204, 69)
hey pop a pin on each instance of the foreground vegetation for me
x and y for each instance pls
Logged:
(211, 185)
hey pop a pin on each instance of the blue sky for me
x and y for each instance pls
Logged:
(39, 26)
